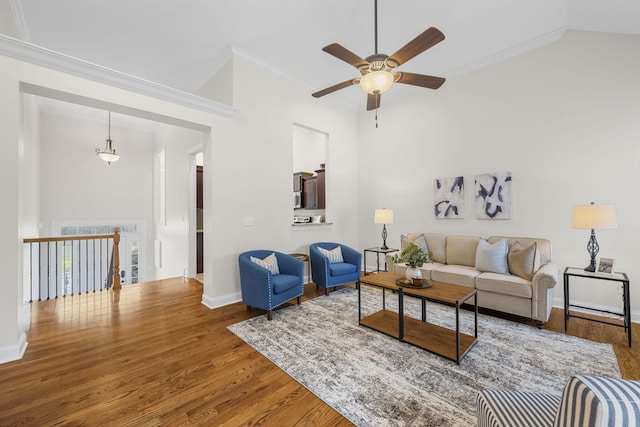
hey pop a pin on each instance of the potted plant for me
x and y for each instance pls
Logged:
(414, 256)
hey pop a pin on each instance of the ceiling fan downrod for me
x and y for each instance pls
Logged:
(375, 25)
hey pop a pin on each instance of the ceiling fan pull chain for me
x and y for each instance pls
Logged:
(376, 117)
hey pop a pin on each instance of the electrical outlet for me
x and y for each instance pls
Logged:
(247, 221)
(620, 289)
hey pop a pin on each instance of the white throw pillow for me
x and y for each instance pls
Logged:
(270, 263)
(492, 258)
(334, 255)
(419, 241)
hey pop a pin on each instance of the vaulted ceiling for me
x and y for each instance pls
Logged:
(181, 43)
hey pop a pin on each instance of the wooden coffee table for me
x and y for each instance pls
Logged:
(452, 344)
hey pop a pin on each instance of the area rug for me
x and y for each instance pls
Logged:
(375, 380)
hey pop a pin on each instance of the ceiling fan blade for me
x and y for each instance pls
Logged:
(334, 88)
(430, 82)
(373, 101)
(429, 38)
(345, 55)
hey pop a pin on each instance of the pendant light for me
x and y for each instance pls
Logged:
(108, 154)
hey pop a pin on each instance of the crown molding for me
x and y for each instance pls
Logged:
(211, 70)
(233, 52)
(18, 18)
(60, 62)
(534, 43)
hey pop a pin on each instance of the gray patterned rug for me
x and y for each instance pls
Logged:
(375, 380)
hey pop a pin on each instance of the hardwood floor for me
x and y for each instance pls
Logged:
(153, 355)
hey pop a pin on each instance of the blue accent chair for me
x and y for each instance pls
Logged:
(264, 290)
(330, 275)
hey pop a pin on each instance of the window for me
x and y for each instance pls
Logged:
(131, 249)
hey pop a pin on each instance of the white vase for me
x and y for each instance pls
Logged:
(413, 273)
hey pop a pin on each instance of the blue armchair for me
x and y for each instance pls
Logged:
(328, 274)
(264, 290)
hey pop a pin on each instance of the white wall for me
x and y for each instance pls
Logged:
(309, 147)
(248, 161)
(250, 165)
(77, 185)
(174, 233)
(30, 174)
(563, 119)
(12, 189)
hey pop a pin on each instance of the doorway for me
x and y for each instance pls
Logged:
(199, 217)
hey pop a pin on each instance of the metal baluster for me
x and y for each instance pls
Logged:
(31, 271)
(57, 268)
(73, 276)
(94, 267)
(48, 267)
(86, 262)
(101, 264)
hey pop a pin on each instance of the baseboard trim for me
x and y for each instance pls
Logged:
(218, 302)
(9, 353)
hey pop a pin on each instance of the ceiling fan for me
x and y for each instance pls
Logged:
(377, 69)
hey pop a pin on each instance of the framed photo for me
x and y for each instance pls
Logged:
(605, 265)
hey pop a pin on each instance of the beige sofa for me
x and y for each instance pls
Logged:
(523, 286)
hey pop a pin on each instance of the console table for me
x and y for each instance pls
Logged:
(611, 277)
(377, 251)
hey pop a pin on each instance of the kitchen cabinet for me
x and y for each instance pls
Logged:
(199, 192)
(310, 193)
(320, 189)
(298, 180)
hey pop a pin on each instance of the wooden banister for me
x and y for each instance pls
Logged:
(67, 238)
(113, 276)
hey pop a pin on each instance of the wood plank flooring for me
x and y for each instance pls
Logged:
(153, 355)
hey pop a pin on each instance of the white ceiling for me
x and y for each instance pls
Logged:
(179, 43)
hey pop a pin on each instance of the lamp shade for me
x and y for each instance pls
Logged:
(376, 81)
(594, 216)
(383, 216)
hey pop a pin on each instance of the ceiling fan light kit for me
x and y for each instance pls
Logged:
(376, 81)
(376, 69)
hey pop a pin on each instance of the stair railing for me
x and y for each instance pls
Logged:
(60, 266)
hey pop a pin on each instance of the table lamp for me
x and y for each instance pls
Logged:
(593, 216)
(384, 217)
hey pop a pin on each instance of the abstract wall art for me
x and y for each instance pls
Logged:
(493, 196)
(449, 197)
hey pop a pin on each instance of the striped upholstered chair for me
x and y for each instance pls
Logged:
(586, 402)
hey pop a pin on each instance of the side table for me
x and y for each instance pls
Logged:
(304, 258)
(377, 251)
(612, 277)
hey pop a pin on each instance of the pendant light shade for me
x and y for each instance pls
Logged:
(109, 153)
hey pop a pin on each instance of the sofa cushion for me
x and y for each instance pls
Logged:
(492, 257)
(284, 282)
(340, 268)
(461, 250)
(420, 241)
(334, 255)
(504, 284)
(270, 262)
(456, 274)
(524, 262)
(437, 244)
